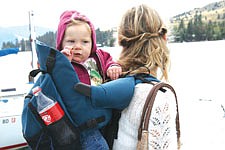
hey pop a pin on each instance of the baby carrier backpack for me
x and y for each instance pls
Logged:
(78, 113)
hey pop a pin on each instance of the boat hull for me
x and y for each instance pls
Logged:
(11, 107)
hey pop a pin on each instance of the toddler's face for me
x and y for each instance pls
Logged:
(78, 37)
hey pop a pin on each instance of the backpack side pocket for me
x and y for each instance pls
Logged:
(60, 134)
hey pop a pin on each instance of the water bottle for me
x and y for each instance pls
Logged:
(49, 110)
(64, 135)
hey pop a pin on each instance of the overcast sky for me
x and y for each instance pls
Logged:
(103, 13)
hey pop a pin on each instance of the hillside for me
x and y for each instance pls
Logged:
(214, 12)
(19, 32)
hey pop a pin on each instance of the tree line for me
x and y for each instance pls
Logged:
(104, 38)
(193, 30)
(198, 30)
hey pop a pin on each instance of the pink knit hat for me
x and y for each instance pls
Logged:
(65, 19)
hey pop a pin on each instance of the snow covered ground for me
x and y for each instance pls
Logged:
(198, 77)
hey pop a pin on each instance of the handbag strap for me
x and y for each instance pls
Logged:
(148, 108)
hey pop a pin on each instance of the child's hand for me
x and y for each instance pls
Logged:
(114, 72)
(68, 52)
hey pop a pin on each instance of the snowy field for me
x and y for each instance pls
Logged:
(197, 73)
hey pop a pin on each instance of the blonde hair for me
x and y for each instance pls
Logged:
(80, 22)
(142, 35)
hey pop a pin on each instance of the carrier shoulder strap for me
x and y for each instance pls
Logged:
(50, 63)
(148, 108)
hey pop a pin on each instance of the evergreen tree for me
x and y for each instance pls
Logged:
(190, 31)
(181, 31)
(48, 38)
(209, 31)
(23, 45)
(8, 44)
(222, 25)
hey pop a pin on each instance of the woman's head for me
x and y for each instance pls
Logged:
(142, 35)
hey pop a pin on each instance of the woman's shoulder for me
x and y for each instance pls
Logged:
(143, 87)
(140, 94)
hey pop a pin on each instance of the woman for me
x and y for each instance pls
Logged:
(142, 36)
